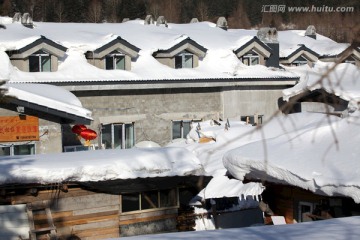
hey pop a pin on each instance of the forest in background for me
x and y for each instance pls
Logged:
(340, 26)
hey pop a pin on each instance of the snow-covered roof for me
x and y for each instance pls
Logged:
(219, 63)
(340, 80)
(49, 99)
(312, 151)
(100, 165)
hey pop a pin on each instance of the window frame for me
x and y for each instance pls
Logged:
(297, 62)
(114, 56)
(248, 58)
(182, 134)
(159, 205)
(13, 146)
(39, 55)
(123, 136)
(183, 55)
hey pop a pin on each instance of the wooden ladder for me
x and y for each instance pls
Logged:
(40, 206)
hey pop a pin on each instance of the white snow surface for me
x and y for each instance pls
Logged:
(312, 151)
(219, 63)
(99, 165)
(340, 80)
(48, 96)
(336, 228)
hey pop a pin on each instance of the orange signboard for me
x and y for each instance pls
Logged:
(19, 128)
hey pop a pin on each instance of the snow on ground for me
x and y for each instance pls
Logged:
(337, 228)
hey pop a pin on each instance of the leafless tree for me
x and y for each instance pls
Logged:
(94, 11)
(202, 10)
(59, 10)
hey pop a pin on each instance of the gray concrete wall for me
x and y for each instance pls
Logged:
(152, 110)
(244, 101)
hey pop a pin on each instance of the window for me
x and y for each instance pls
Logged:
(75, 148)
(118, 135)
(184, 60)
(180, 129)
(11, 150)
(40, 62)
(301, 60)
(115, 61)
(304, 209)
(350, 60)
(149, 200)
(254, 119)
(251, 58)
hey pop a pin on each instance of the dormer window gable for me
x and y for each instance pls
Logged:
(39, 56)
(185, 54)
(300, 56)
(116, 54)
(253, 52)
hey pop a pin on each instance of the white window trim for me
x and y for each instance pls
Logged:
(123, 146)
(40, 55)
(12, 145)
(113, 56)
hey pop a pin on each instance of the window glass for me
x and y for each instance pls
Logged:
(254, 60)
(129, 135)
(178, 61)
(118, 132)
(176, 129)
(186, 128)
(149, 200)
(34, 65)
(24, 149)
(130, 202)
(168, 198)
(106, 138)
(120, 62)
(109, 63)
(45, 63)
(4, 151)
(188, 61)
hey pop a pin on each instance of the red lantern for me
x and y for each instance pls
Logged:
(78, 128)
(88, 134)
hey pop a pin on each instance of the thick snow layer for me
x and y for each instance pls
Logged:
(340, 80)
(99, 165)
(220, 61)
(337, 228)
(48, 96)
(321, 155)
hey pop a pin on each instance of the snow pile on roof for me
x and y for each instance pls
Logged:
(340, 80)
(219, 63)
(5, 66)
(48, 96)
(320, 155)
(99, 165)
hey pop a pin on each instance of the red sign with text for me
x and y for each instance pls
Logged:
(19, 128)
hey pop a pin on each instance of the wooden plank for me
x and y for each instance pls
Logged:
(85, 202)
(98, 233)
(52, 195)
(113, 223)
(96, 210)
(147, 219)
(142, 214)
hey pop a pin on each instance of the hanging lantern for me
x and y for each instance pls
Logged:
(88, 135)
(78, 128)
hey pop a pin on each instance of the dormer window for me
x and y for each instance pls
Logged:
(115, 61)
(184, 60)
(350, 59)
(251, 58)
(300, 61)
(40, 62)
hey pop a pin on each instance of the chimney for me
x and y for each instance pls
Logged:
(194, 20)
(222, 23)
(269, 36)
(311, 31)
(26, 20)
(149, 20)
(161, 21)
